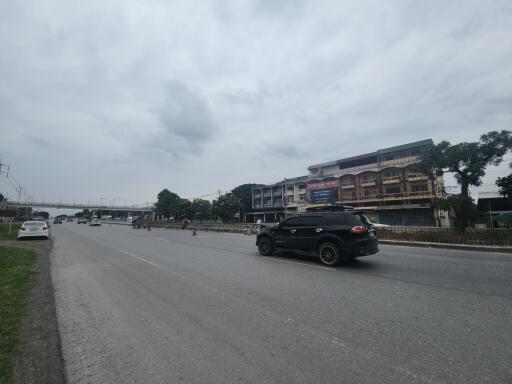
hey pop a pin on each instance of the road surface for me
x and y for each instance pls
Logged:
(166, 307)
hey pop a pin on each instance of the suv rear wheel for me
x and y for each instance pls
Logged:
(265, 246)
(329, 254)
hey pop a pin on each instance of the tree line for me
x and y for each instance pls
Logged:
(226, 207)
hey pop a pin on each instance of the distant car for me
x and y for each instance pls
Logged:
(81, 220)
(33, 229)
(95, 223)
(69, 219)
(57, 221)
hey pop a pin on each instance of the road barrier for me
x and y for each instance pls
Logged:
(435, 235)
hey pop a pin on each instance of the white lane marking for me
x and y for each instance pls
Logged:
(149, 262)
(128, 253)
(295, 262)
(159, 238)
(139, 258)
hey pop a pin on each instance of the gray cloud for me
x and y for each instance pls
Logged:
(186, 118)
(297, 82)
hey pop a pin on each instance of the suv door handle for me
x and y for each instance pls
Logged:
(293, 230)
(319, 230)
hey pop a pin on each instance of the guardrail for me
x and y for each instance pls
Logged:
(472, 236)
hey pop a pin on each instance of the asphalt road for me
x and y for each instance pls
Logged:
(166, 307)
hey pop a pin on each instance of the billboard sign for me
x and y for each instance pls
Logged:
(324, 196)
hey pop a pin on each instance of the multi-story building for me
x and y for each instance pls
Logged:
(385, 184)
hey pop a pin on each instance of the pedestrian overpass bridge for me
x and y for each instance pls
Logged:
(93, 207)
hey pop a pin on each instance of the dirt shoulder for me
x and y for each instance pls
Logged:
(39, 358)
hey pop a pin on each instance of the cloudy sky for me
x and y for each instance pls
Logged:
(119, 99)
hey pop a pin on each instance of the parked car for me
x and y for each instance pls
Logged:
(33, 229)
(81, 220)
(57, 221)
(95, 223)
(335, 237)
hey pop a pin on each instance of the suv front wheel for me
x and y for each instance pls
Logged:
(265, 246)
(329, 254)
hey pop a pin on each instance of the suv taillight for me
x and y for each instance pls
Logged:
(45, 228)
(359, 229)
(22, 228)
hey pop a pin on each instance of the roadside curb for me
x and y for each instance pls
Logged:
(484, 248)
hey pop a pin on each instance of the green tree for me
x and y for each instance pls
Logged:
(201, 209)
(1, 197)
(505, 185)
(244, 194)
(226, 206)
(86, 213)
(181, 208)
(467, 161)
(166, 202)
(465, 209)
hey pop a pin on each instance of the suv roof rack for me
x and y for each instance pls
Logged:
(330, 208)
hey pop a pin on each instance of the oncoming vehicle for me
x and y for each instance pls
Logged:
(33, 229)
(335, 237)
(95, 223)
(81, 220)
(57, 221)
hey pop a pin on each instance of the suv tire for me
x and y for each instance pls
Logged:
(265, 246)
(329, 254)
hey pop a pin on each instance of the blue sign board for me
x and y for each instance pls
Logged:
(323, 196)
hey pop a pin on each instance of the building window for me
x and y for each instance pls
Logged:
(392, 173)
(392, 190)
(419, 188)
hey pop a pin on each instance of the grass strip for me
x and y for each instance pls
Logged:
(4, 230)
(16, 269)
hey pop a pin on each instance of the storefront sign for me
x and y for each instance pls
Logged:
(322, 185)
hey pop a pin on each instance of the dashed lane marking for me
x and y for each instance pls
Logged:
(295, 262)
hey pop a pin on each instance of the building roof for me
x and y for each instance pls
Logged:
(341, 161)
(416, 144)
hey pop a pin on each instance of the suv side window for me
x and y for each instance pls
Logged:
(335, 219)
(293, 222)
(311, 221)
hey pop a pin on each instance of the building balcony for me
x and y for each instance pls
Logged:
(289, 192)
(416, 177)
(256, 206)
(301, 191)
(391, 180)
(267, 205)
(348, 185)
(368, 183)
(266, 194)
(257, 196)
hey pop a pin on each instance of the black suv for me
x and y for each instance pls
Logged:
(336, 237)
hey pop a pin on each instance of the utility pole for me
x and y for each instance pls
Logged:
(19, 190)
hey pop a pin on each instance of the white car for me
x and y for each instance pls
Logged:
(33, 229)
(94, 222)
